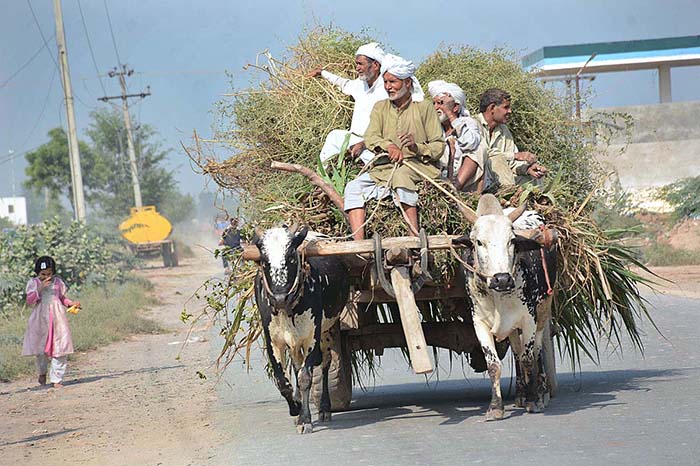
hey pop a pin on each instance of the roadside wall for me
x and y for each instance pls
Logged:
(664, 147)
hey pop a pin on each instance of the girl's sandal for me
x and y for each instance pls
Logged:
(58, 385)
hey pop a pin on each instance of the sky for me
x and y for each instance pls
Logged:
(183, 49)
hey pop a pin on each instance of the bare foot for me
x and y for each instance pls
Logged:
(58, 385)
(42, 379)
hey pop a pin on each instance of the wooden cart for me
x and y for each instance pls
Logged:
(394, 272)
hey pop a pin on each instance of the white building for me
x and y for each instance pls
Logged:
(15, 209)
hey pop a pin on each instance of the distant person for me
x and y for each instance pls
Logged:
(48, 334)
(406, 132)
(366, 90)
(462, 160)
(231, 239)
(508, 165)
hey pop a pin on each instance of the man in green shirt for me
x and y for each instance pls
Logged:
(406, 131)
(508, 165)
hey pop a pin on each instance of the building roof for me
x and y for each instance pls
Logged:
(615, 56)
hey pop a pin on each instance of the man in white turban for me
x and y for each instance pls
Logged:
(406, 136)
(463, 163)
(366, 90)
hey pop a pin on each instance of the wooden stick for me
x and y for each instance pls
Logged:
(460, 203)
(410, 321)
(316, 180)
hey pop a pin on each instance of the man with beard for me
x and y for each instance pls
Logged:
(508, 164)
(405, 132)
(366, 90)
(462, 159)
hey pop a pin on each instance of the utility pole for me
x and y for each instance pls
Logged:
(75, 171)
(127, 122)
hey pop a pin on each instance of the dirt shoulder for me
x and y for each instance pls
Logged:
(679, 280)
(133, 402)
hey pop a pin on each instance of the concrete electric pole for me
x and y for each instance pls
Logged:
(75, 171)
(127, 122)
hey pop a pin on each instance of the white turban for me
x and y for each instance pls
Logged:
(402, 69)
(439, 87)
(371, 50)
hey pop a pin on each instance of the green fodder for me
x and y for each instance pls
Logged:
(108, 314)
(286, 116)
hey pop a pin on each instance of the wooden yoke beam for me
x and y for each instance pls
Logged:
(331, 248)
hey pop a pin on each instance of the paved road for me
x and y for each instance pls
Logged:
(632, 411)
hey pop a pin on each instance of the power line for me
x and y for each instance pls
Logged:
(43, 109)
(111, 31)
(46, 45)
(31, 59)
(14, 155)
(36, 21)
(92, 53)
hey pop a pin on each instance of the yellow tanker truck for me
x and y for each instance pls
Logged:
(148, 233)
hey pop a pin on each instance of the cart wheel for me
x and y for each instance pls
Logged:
(550, 360)
(339, 374)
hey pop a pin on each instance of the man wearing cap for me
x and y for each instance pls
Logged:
(366, 90)
(463, 161)
(508, 165)
(406, 132)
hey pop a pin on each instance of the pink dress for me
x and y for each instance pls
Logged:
(48, 332)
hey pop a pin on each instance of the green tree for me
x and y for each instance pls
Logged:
(115, 195)
(48, 167)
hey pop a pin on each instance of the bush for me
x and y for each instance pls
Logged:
(683, 195)
(83, 255)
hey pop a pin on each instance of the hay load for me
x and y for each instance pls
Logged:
(286, 116)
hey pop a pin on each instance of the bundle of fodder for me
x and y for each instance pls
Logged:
(286, 116)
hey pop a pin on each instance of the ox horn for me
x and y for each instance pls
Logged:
(468, 213)
(513, 216)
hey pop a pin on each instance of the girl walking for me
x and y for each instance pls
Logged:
(48, 335)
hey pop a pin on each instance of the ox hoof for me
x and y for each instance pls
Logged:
(494, 414)
(324, 416)
(520, 401)
(532, 407)
(305, 429)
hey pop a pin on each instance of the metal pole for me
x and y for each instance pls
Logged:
(130, 143)
(578, 91)
(76, 173)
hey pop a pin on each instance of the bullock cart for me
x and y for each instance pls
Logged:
(390, 307)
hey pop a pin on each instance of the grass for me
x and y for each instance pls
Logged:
(660, 254)
(109, 314)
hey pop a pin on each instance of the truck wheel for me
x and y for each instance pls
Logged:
(174, 260)
(167, 255)
(339, 374)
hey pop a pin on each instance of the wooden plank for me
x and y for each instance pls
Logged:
(456, 336)
(378, 295)
(410, 320)
(332, 248)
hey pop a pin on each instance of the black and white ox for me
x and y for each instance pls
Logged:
(299, 301)
(506, 278)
